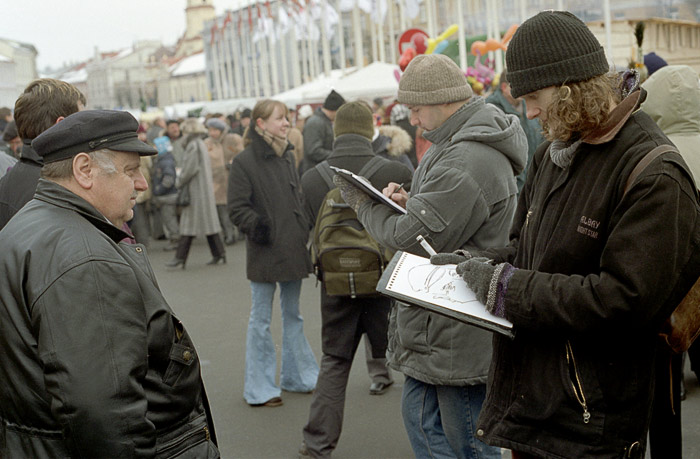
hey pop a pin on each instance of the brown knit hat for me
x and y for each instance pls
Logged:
(550, 49)
(432, 79)
(354, 118)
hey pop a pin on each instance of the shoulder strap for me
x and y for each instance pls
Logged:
(644, 162)
(371, 166)
(324, 169)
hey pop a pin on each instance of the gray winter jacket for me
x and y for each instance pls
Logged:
(463, 195)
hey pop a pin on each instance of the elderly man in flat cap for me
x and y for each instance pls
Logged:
(95, 363)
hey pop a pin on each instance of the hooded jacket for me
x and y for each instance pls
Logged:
(532, 128)
(95, 363)
(463, 195)
(597, 275)
(673, 102)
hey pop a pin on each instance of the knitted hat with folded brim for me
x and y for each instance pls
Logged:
(432, 79)
(333, 101)
(550, 49)
(354, 118)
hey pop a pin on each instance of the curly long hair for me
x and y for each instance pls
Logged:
(577, 109)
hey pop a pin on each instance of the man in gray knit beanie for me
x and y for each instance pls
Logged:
(463, 194)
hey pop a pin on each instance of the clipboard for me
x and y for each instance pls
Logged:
(412, 279)
(364, 185)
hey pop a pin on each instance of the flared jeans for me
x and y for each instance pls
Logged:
(299, 367)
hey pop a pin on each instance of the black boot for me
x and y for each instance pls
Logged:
(175, 262)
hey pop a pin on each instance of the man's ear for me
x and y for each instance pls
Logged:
(59, 119)
(84, 170)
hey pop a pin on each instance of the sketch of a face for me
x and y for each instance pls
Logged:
(439, 281)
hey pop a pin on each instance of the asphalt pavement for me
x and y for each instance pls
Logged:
(214, 304)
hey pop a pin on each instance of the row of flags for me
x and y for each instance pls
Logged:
(303, 15)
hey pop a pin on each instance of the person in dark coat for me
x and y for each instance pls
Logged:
(318, 132)
(591, 272)
(43, 103)
(265, 202)
(344, 319)
(95, 362)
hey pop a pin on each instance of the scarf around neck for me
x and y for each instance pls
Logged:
(277, 143)
(563, 152)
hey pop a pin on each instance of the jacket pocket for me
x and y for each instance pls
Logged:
(189, 441)
(182, 354)
(412, 328)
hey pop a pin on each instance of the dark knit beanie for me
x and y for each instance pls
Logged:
(654, 62)
(551, 49)
(432, 79)
(354, 118)
(333, 101)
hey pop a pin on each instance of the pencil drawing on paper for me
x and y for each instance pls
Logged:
(438, 281)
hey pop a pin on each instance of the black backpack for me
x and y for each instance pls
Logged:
(346, 258)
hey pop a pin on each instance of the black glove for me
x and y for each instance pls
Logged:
(352, 195)
(262, 231)
(488, 282)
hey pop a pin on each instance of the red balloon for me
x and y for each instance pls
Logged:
(406, 57)
(420, 42)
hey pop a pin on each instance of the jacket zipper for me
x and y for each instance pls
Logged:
(577, 386)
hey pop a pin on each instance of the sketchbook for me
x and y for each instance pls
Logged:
(412, 279)
(364, 184)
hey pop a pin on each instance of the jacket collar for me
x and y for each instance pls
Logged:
(54, 194)
(618, 118)
(29, 154)
(352, 145)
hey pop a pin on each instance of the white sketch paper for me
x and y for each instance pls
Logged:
(415, 277)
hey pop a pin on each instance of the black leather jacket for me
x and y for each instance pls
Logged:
(95, 363)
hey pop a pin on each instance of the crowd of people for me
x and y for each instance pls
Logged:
(526, 191)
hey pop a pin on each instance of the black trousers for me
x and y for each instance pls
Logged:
(216, 246)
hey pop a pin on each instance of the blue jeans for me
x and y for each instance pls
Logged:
(299, 367)
(441, 420)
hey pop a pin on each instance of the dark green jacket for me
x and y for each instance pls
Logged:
(598, 274)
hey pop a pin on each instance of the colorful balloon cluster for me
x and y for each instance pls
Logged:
(416, 42)
(481, 75)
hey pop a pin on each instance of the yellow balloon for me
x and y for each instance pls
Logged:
(433, 42)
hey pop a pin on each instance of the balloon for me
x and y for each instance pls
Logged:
(509, 33)
(433, 42)
(478, 48)
(406, 56)
(441, 47)
(492, 45)
(397, 75)
(420, 43)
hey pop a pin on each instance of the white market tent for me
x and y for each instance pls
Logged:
(378, 79)
(322, 84)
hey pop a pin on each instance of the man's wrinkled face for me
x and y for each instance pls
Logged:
(115, 189)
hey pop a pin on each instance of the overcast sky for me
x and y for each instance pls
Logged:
(66, 31)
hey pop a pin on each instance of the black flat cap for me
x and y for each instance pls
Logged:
(91, 130)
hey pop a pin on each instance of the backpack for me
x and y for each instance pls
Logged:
(683, 326)
(346, 258)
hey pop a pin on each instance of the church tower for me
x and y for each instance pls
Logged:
(197, 13)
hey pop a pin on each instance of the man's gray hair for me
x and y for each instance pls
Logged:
(63, 169)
